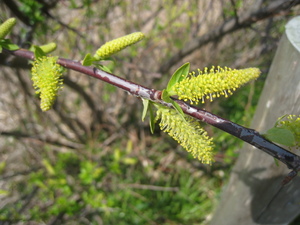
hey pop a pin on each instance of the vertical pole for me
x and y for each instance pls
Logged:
(254, 194)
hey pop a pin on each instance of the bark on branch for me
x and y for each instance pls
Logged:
(248, 135)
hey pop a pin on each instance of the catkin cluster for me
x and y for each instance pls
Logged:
(46, 77)
(209, 84)
(187, 132)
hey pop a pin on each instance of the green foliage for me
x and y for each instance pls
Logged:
(74, 184)
(32, 10)
(6, 43)
(229, 10)
(145, 108)
(281, 136)
(180, 74)
(148, 107)
(118, 191)
(286, 131)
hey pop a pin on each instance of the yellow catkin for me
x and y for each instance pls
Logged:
(213, 83)
(188, 133)
(7, 26)
(116, 45)
(46, 77)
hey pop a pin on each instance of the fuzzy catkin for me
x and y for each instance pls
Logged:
(216, 82)
(7, 26)
(188, 133)
(46, 77)
(116, 45)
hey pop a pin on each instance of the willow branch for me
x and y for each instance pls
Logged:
(246, 134)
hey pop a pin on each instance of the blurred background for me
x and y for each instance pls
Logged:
(91, 160)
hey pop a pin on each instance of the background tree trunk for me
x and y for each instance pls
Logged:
(254, 194)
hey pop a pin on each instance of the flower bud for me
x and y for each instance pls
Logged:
(6, 27)
(47, 48)
(116, 45)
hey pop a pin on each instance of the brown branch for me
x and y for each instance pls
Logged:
(229, 26)
(246, 134)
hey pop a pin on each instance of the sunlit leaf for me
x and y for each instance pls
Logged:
(179, 75)
(281, 136)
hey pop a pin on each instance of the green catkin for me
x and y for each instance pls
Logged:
(187, 132)
(46, 77)
(213, 83)
(6, 27)
(116, 45)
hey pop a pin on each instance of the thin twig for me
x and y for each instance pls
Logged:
(246, 134)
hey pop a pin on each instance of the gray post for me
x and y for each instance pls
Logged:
(254, 194)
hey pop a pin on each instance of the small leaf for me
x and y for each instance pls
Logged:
(166, 97)
(104, 68)
(281, 136)
(145, 109)
(276, 162)
(88, 60)
(38, 52)
(180, 74)
(152, 118)
(6, 43)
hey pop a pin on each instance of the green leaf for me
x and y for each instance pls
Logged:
(6, 43)
(145, 109)
(152, 118)
(88, 60)
(281, 136)
(276, 162)
(180, 74)
(148, 107)
(166, 97)
(104, 68)
(38, 52)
